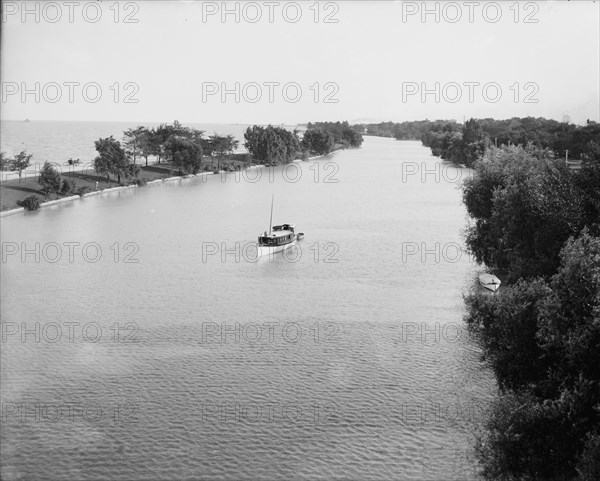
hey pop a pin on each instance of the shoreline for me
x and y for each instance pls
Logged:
(50, 203)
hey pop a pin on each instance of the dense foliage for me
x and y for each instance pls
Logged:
(463, 144)
(342, 132)
(50, 179)
(184, 154)
(112, 159)
(538, 222)
(272, 145)
(525, 204)
(412, 130)
(30, 203)
(543, 341)
(17, 163)
(318, 141)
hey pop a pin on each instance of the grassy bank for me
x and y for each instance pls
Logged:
(12, 190)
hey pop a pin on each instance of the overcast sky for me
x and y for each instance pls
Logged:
(358, 60)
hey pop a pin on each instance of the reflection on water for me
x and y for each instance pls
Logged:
(165, 352)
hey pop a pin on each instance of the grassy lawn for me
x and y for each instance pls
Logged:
(12, 190)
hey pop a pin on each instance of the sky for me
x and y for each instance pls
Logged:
(295, 62)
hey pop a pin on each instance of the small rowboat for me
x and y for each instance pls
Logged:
(300, 236)
(489, 281)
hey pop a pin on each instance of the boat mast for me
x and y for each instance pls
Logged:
(271, 221)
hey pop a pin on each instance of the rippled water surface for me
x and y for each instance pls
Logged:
(345, 359)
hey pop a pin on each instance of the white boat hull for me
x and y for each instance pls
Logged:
(489, 282)
(269, 251)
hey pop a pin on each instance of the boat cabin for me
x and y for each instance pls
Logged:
(280, 235)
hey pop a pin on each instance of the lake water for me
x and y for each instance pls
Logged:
(165, 352)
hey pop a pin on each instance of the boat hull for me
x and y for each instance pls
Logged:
(489, 282)
(269, 251)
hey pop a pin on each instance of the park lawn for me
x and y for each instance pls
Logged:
(12, 190)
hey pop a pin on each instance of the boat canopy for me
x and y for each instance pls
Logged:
(280, 235)
(289, 227)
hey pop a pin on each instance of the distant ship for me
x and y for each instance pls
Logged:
(27, 120)
(279, 238)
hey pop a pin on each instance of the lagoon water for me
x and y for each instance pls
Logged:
(347, 358)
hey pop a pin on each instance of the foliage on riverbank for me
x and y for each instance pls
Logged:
(342, 133)
(465, 143)
(542, 339)
(275, 145)
(539, 223)
(30, 203)
(272, 145)
(525, 203)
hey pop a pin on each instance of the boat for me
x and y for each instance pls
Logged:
(279, 237)
(489, 281)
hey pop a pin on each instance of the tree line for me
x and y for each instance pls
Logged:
(276, 145)
(538, 223)
(464, 143)
(184, 149)
(343, 134)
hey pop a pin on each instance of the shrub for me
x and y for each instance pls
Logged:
(83, 190)
(141, 182)
(30, 203)
(50, 179)
(67, 187)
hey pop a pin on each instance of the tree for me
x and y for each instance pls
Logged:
(525, 204)
(133, 140)
(133, 170)
(4, 161)
(507, 327)
(112, 159)
(218, 146)
(587, 181)
(342, 132)
(318, 141)
(49, 179)
(155, 140)
(20, 162)
(272, 145)
(157, 137)
(67, 187)
(184, 154)
(73, 163)
(146, 147)
(291, 142)
(474, 142)
(232, 144)
(265, 144)
(352, 137)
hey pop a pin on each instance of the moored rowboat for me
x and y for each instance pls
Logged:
(489, 281)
